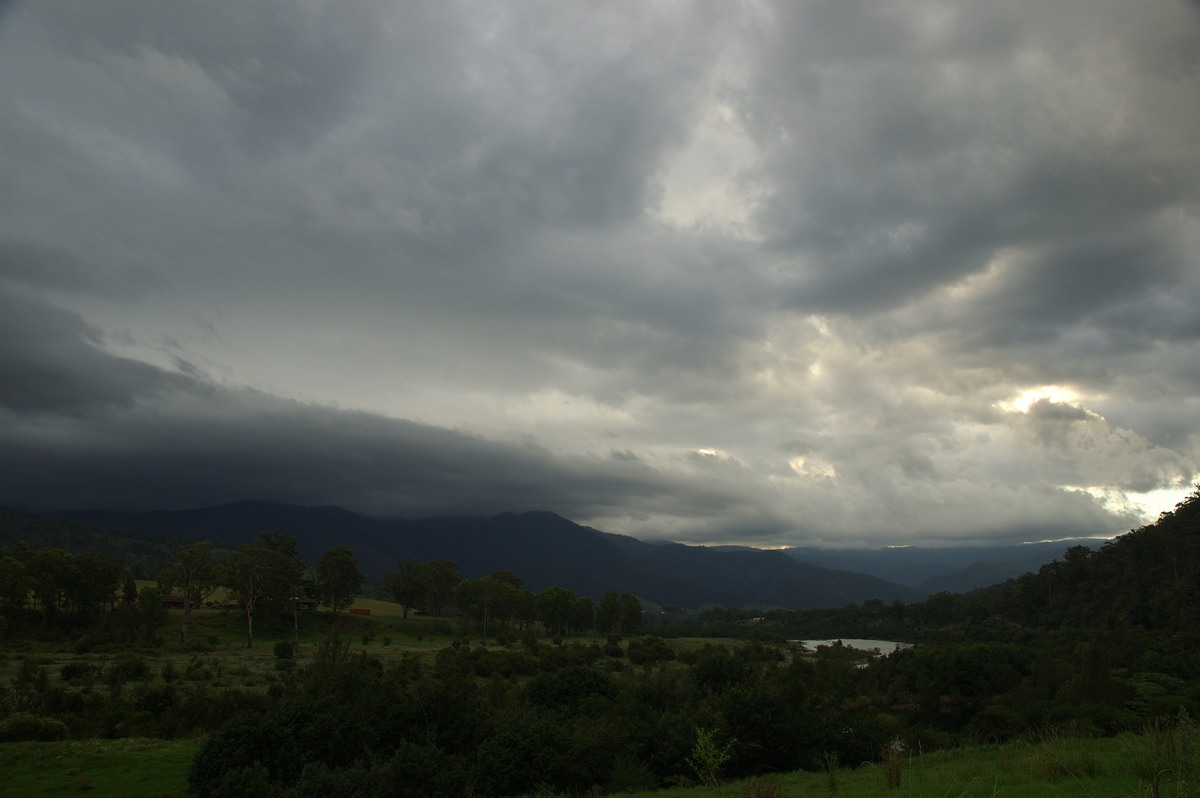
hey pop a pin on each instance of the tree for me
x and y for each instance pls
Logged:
(488, 598)
(280, 542)
(265, 569)
(555, 606)
(631, 614)
(49, 573)
(150, 615)
(506, 577)
(407, 585)
(338, 579)
(94, 583)
(294, 584)
(583, 614)
(444, 579)
(195, 576)
(608, 614)
(14, 583)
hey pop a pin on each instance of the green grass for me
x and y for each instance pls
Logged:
(1091, 768)
(96, 768)
(682, 644)
(1104, 768)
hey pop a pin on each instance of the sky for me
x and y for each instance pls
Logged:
(814, 272)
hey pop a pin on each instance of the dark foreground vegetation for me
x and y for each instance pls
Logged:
(550, 693)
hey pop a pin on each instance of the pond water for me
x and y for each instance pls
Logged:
(885, 647)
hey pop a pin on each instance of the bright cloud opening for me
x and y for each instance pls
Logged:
(1027, 398)
(812, 467)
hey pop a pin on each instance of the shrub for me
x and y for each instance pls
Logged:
(127, 669)
(25, 726)
(284, 649)
(649, 650)
(154, 698)
(708, 757)
(76, 670)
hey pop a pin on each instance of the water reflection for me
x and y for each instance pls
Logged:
(883, 647)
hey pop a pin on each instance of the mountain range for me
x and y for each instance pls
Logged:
(545, 549)
(950, 569)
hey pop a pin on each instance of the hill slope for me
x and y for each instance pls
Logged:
(1148, 578)
(544, 549)
(140, 551)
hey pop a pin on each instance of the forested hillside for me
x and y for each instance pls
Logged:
(544, 548)
(1146, 579)
(141, 551)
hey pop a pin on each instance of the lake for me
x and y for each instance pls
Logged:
(884, 646)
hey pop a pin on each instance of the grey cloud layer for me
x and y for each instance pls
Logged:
(418, 257)
(105, 431)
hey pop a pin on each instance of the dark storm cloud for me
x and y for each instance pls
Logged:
(82, 428)
(53, 268)
(936, 156)
(764, 272)
(51, 362)
(291, 73)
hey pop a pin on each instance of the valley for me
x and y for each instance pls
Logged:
(1084, 671)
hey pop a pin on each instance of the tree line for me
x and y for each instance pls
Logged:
(499, 601)
(74, 592)
(55, 590)
(267, 578)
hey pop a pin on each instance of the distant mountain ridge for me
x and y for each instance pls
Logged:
(543, 548)
(951, 569)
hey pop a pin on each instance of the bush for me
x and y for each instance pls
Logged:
(76, 670)
(284, 649)
(154, 699)
(25, 726)
(125, 670)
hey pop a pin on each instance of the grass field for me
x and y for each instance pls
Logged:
(1106, 768)
(1119, 767)
(97, 768)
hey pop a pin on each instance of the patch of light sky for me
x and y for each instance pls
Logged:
(1146, 504)
(701, 185)
(1021, 403)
